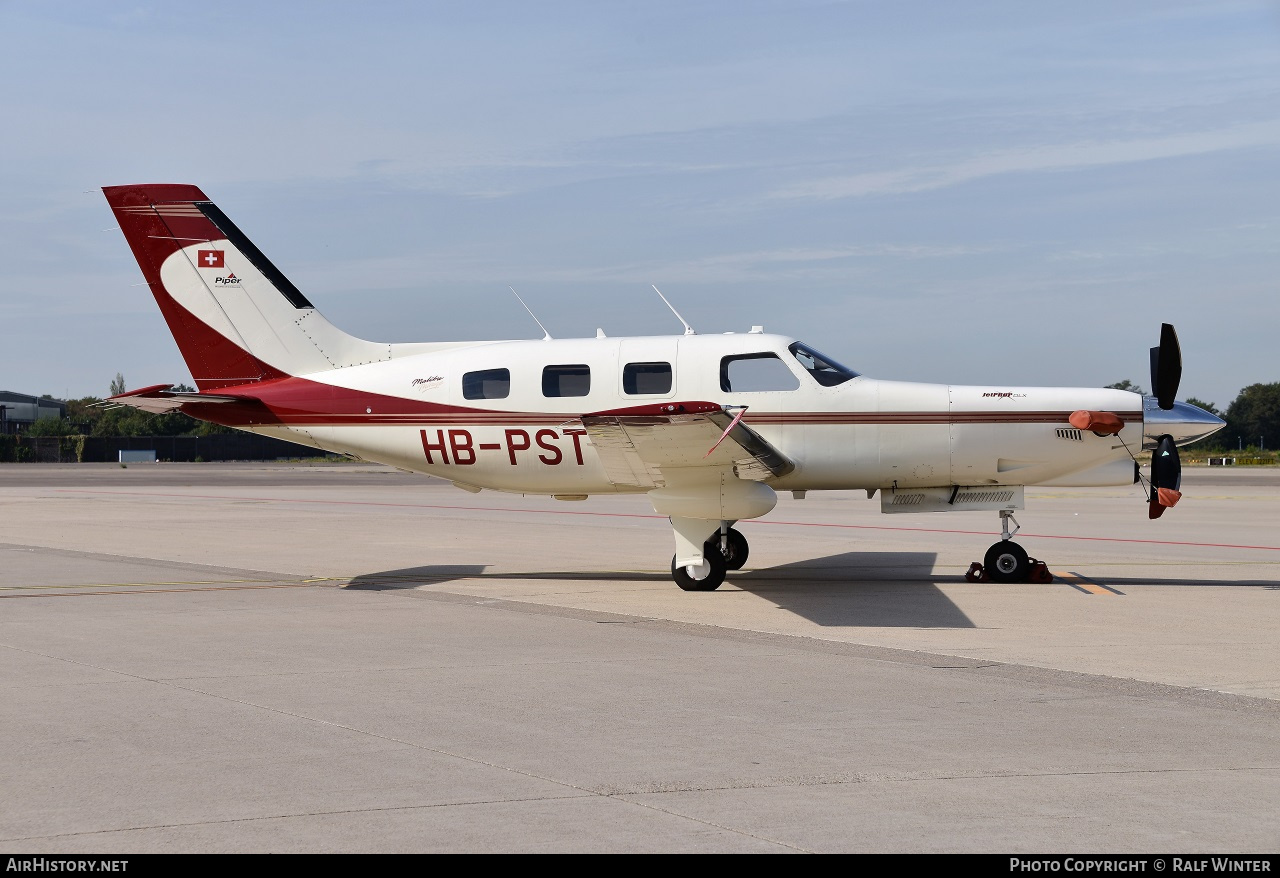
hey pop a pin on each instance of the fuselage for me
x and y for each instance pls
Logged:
(504, 415)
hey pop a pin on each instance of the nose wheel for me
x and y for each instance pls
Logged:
(1006, 561)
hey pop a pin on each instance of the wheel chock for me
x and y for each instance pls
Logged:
(1039, 572)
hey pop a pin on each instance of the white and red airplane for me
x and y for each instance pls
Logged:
(711, 427)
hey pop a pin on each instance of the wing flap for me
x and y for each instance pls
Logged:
(637, 450)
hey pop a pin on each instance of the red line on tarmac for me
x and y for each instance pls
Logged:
(1026, 534)
(365, 503)
(930, 530)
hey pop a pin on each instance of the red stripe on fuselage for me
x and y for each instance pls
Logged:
(300, 402)
(951, 417)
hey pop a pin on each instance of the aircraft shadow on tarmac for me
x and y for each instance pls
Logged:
(863, 589)
(412, 577)
(859, 589)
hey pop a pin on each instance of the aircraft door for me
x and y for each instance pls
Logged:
(767, 383)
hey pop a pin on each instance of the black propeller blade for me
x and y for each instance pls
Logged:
(1166, 476)
(1166, 367)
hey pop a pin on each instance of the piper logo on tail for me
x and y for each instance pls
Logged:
(210, 258)
(229, 279)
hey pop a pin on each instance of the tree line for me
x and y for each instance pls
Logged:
(88, 416)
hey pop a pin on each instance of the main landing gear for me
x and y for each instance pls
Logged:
(1006, 561)
(725, 551)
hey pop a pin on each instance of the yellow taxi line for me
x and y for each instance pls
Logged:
(1084, 584)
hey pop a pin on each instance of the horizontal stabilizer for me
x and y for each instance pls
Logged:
(158, 398)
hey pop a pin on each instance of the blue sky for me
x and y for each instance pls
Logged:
(987, 193)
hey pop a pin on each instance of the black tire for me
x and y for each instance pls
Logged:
(708, 583)
(735, 555)
(1006, 561)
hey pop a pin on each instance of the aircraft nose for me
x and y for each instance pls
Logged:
(1184, 422)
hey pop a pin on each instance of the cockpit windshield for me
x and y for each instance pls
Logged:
(824, 370)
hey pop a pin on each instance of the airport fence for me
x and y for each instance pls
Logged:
(1232, 461)
(106, 449)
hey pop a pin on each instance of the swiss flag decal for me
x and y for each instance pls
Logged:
(210, 258)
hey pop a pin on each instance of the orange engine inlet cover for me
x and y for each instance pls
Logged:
(1098, 422)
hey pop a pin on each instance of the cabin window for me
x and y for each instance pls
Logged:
(824, 370)
(639, 379)
(753, 373)
(487, 384)
(571, 380)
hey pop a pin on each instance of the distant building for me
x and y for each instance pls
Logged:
(18, 411)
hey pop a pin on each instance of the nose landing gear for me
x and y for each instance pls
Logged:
(1006, 561)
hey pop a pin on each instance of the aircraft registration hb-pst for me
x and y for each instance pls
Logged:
(711, 427)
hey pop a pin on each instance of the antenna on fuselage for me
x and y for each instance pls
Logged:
(546, 336)
(688, 330)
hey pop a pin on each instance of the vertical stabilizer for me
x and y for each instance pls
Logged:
(235, 316)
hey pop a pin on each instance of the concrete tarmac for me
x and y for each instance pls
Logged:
(342, 657)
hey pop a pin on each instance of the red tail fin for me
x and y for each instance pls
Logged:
(162, 220)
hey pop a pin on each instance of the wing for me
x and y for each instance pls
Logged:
(641, 449)
(158, 399)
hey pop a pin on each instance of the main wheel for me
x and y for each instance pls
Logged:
(1006, 561)
(735, 553)
(706, 576)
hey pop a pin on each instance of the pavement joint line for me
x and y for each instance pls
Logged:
(585, 791)
(1127, 686)
(625, 796)
(1073, 580)
(638, 515)
(87, 594)
(299, 814)
(455, 666)
(138, 559)
(138, 584)
(785, 782)
(214, 695)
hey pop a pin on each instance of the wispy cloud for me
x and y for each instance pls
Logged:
(1053, 157)
(789, 262)
(350, 276)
